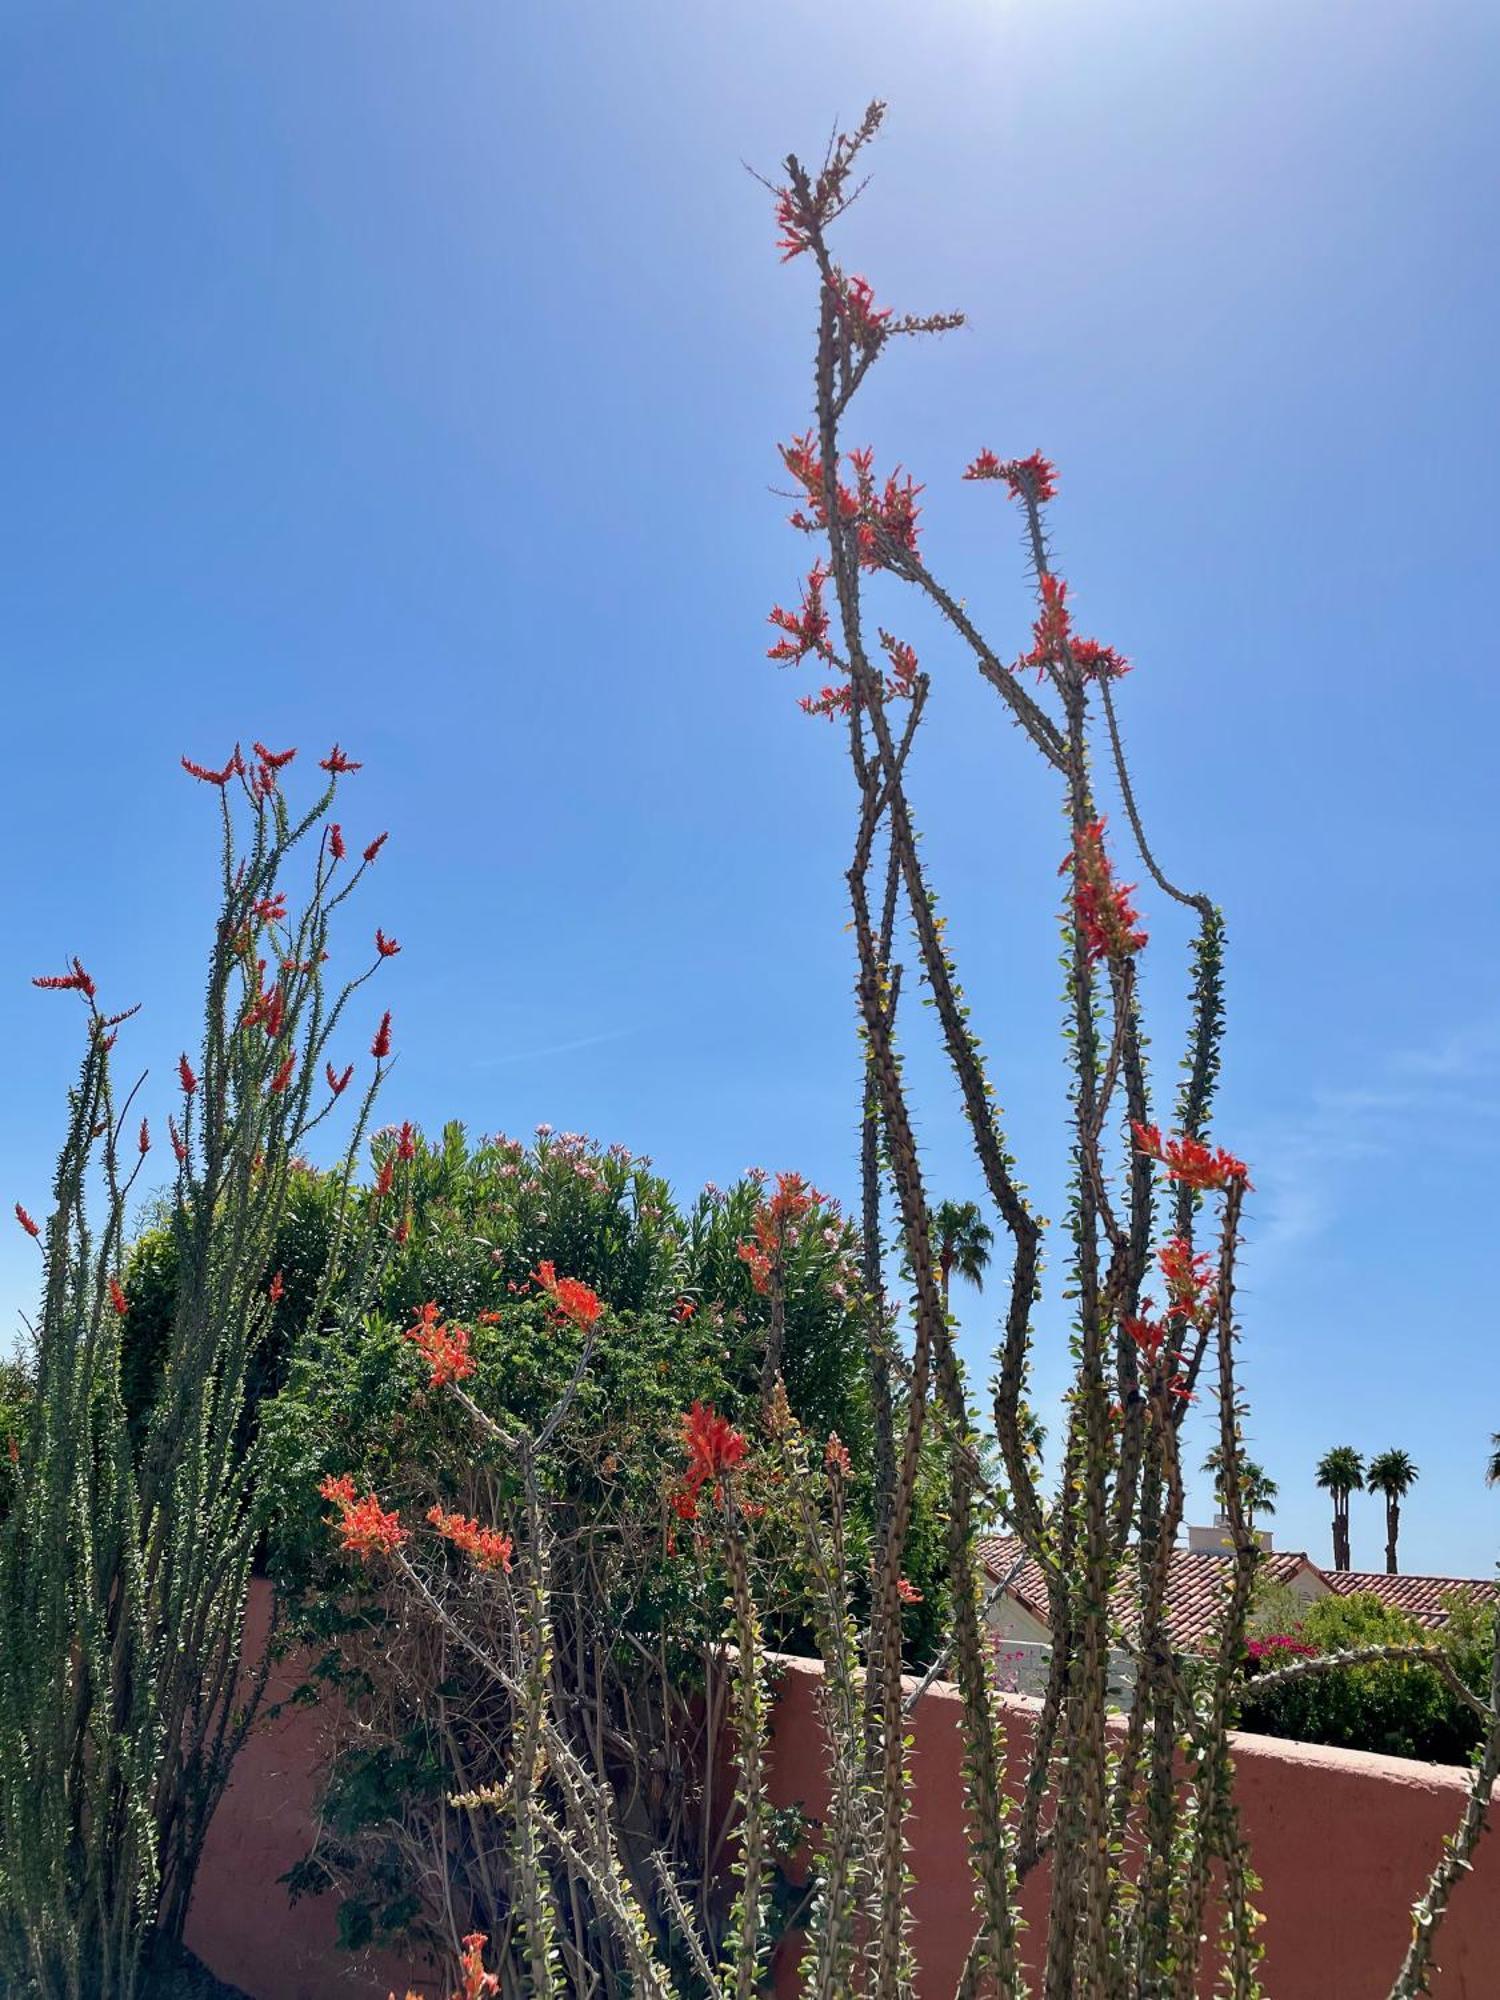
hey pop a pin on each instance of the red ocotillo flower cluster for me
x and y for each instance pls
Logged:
(1107, 919)
(1055, 646)
(714, 1447)
(1033, 478)
(1192, 1303)
(854, 301)
(775, 1227)
(444, 1347)
(485, 1546)
(882, 515)
(364, 1528)
(1189, 1161)
(76, 981)
(572, 1299)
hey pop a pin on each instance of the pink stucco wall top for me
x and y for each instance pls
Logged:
(1343, 1843)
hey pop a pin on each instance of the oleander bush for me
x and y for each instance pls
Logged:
(635, 1607)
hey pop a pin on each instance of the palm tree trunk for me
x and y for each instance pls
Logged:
(1392, 1530)
(1341, 1532)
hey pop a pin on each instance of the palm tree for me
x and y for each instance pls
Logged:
(1341, 1472)
(963, 1243)
(1393, 1474)
(1258, 1490)
(1492, 1473)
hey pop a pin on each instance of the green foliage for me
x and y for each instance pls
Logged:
(684, 1323)
(1396, 1710)
(15, 1402)
(1341, 1471)
(299, 1252)
(1275, 1609)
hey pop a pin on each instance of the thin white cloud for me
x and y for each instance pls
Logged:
(1469, 1053)
(1445, 1098)
(555, 1049)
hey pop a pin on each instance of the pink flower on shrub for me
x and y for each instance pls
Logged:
(1279, 1646)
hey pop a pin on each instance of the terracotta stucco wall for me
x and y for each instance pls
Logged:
(242, 1924)
(1342, 1841)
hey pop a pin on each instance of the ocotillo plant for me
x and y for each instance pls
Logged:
(1151, 1883)
(1133, 1831)
(124, 1564)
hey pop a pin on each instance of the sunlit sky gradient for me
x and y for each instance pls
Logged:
(411, 374)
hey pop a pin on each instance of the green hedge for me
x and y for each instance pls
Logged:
(1397, 1710)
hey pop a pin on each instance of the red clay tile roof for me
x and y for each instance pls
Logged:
(1420, 1597)
(1196, 1587)
(1197, 1584)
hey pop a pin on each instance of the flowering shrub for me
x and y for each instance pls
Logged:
(518, 1258)
(1396, 1707)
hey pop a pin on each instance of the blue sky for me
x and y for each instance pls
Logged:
(412, 374)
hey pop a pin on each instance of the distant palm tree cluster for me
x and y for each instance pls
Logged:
(1342, 1471)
